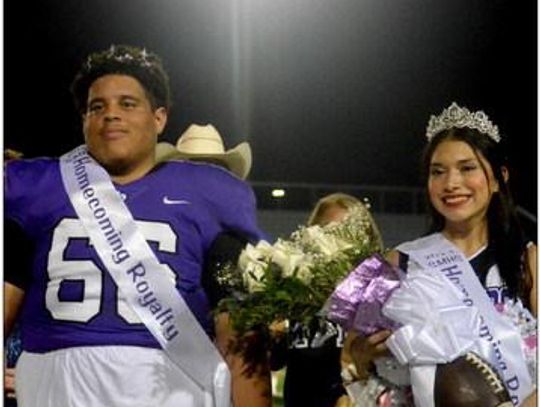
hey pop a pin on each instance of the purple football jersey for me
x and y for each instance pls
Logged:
(180, 208)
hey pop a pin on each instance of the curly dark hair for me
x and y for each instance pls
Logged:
(136, 62)
(506, 236)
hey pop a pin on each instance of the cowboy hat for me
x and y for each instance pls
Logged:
(205, 143)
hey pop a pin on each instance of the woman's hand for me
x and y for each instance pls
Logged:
(344, 401)
(361, 351)
(530, 401)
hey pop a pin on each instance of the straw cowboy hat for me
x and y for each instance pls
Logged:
(205, 143)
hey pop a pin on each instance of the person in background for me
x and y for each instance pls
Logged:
(313, 368)
(472, 211)
(116, 239)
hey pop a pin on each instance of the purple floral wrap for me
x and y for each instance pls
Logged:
(357, 301)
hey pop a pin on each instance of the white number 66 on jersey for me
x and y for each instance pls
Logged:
(60, 269)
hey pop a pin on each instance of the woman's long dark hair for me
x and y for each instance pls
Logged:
(506, 237)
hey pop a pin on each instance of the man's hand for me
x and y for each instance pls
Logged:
(9, 383)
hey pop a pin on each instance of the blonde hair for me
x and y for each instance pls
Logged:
(344, 201)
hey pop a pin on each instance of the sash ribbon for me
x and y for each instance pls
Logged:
(137, 270)
(446, 313)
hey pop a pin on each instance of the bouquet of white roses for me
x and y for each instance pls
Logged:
(292, 278)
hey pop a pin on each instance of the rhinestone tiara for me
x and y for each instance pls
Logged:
(123, 54)
(455, 116)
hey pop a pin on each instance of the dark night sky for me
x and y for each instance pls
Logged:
(326, 91)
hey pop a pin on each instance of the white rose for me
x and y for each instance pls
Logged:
(287, 256)
(253, 261)
(264, 248)
(325, 243)
(342, 244)
(304, 272)
(253, 277)
(254, 254)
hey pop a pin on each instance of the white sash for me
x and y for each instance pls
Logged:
(500, 342)
(139, 275)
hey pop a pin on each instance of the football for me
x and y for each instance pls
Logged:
(469, 381)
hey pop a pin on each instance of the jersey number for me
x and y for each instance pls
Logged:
(62, 271)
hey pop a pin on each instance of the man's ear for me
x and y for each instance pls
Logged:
(160, 117)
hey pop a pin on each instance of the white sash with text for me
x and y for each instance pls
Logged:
(139, 275)
(500, 341)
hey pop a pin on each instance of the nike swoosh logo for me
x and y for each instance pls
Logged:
(168, 201)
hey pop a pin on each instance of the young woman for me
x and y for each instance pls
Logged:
(471, 211)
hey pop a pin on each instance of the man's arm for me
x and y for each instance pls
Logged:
(16, 271)
(13, 298)
(251, 380)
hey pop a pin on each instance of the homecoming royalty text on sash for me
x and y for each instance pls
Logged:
(145, 284)
(499, 342)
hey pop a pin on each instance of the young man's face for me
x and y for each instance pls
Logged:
(120, 127)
